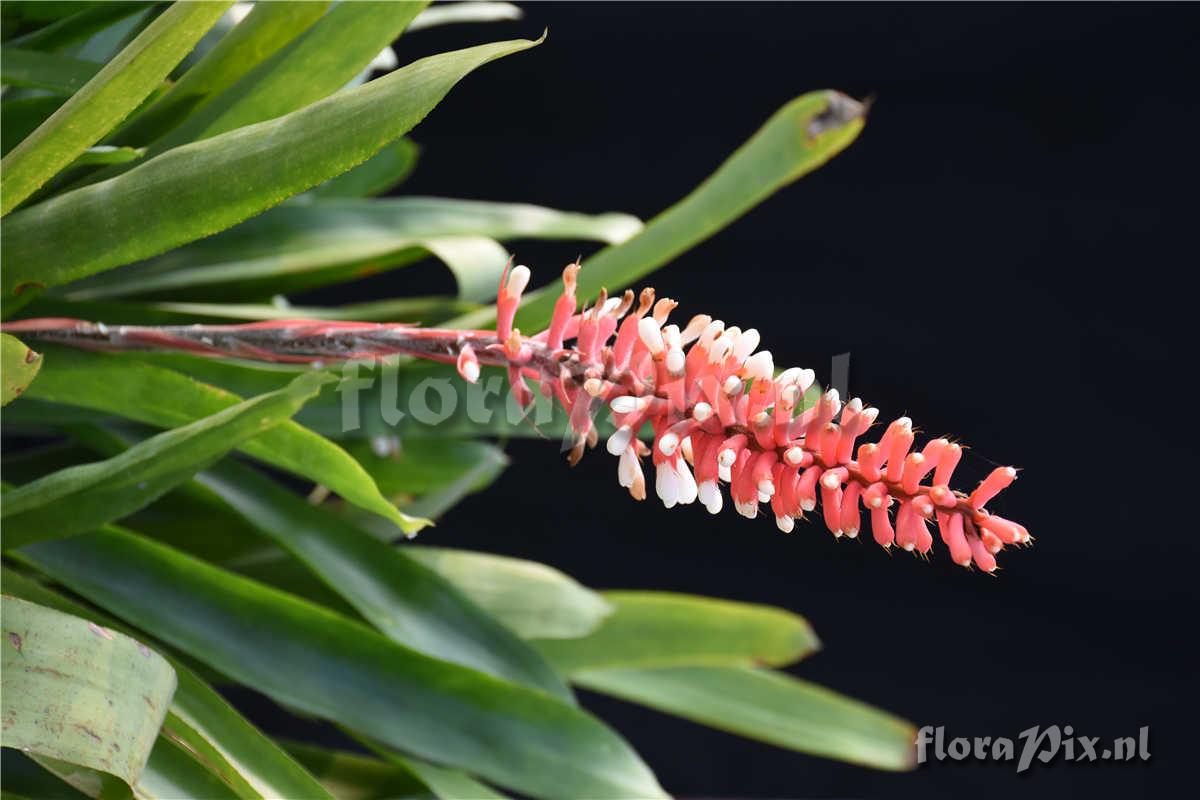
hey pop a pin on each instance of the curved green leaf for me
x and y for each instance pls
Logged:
(403, 599)
(83, 497)
(534, 600)
(114, 92)
(770, 707)
(659, 629)
(351, 776)
(157, 396)
(201, 721)
(300, 245)
(267, 28)
(198, 189)
(318, 662)
(799, 138)
(379, 173)
(314, 65)
(78, 692)
(21, 117)
(95, 17)
(18, 367)
(51, 71)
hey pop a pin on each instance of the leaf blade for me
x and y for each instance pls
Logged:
(403, 599)
(119, 689)
(19, 365)
(770, 707)
(113, 92)
(662, 629)
(82, 497)
(169, 200)
(316, 661)
(162, 397)
(798, 138)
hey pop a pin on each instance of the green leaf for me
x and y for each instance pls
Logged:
(798, 139)
(661, 629)
(446, 784)
(201, 721)
(770, 707)
(534, 600)
(18, 367)
(83, 497)
(19, 118)
(351, 776)
(403, 599)
(78, 692)
(379, 173)
(24, 779)
(315, 661)
(265, 30)
(94, 17)
(316, 64)
(175, 773)
(196, 190)
(421, 466)
(453, 13)
(52, 71)
(114, 92)
(302, 245)
(161, 397)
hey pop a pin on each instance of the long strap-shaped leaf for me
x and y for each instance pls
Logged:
(267, 28)
(316, 661)
(198, 189)
(105, 100)
(800, 137)
(165, 398)
(405, 600)
(75, 691)
(18, 367)
(768, 706)
(83, 497)
(202, 721)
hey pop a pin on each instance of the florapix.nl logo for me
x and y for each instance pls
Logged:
(1045, 744)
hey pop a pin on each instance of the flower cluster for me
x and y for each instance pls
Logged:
(721, 415)
(718, 411)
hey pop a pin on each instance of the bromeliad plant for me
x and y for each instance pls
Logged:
(142, 568)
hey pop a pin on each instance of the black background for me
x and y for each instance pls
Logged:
(1004, 252)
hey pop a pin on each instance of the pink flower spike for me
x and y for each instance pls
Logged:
(946, 464)
(999, 480)
(915, 467)
(564, 308)
(851, 521)
(869, 458)
(831, 507)
(906, 526)
(942, 496)
(806, 487)
(951, 528)
(902, 441)
(983, 559)
(467, 364)
(718, 412)
(881, 527)
(514, 283)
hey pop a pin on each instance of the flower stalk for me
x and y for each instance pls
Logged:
(719, 413)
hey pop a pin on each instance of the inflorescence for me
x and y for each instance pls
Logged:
(718, 411)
